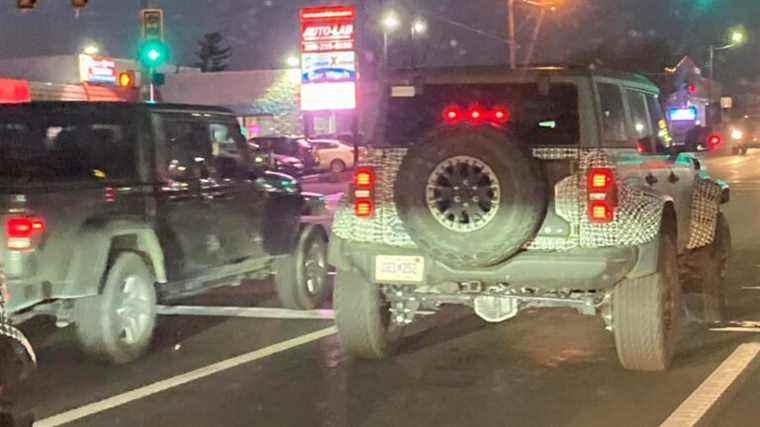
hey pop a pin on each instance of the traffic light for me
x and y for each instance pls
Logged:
(153, 53)
(26, 4)
(126, 79)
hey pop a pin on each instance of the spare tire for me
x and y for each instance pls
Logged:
(470, 197)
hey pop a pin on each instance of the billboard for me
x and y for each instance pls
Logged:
(97, 69)
(328, 60)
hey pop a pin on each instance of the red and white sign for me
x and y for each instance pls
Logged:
(327, 29)
(97, 69)
(328, 62)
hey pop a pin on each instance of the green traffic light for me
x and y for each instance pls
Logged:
(153, 53)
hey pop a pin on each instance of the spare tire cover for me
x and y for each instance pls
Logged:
(470, 197)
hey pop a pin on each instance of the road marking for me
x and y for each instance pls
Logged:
(157, 387)
(247, 312)
(720, 386)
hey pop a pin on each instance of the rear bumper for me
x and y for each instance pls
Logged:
(578, 269)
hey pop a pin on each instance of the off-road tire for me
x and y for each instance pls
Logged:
(363, 318)
(337, 166)
(646, 312)
(294, 271)
(521, 208)
(97, 321)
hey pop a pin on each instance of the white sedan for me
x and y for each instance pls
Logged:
(333, 155)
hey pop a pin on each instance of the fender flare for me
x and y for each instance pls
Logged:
(90, 258)
(706, 199)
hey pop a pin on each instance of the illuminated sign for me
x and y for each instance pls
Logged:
(327, 29)
(328, 61)
(328, 96)
(14, 91)
(328, 67)
(683, 114)
(96, 69)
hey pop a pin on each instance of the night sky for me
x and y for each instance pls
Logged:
(263, 32)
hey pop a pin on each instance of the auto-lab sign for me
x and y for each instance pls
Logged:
(327, 29)
(97, 69)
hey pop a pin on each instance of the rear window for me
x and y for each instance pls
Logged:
(59, 145)
(549, 118)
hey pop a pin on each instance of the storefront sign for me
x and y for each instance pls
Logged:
(96, 69)
(328, 60)
(327, 29)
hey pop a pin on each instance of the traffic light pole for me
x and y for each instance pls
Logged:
(152, 87)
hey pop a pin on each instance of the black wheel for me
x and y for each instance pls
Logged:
(363, 318)
(301, 278)
(117, 325)
(337, 166)
(646, 312)
(472, 197)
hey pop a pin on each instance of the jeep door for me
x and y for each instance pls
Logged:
(186, 221)
(238, 203)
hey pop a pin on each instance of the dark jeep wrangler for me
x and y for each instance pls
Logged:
(542, 187)
(110, 208)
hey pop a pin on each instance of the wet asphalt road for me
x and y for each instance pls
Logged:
(550, 367)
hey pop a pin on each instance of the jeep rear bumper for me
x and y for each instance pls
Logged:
(577, 269)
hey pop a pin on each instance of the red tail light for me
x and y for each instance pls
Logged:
(602, 195)
(364, 192)
(475, 114)
(20, 231)
(713, 141)
(500, 115)
(452, 114)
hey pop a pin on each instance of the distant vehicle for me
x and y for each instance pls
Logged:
(548, 187)
(289, 146)
(103, 219)
(744, 134)
(333, 155)
(277, 162)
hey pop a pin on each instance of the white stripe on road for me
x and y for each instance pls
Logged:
(248, 312)
(720, 386)
(142, 392)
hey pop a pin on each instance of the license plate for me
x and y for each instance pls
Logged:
(393, 268)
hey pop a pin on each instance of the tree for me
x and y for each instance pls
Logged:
(212, 55)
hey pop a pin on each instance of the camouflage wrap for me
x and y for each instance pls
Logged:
(705, 204)
(385, 227)
(637, 217)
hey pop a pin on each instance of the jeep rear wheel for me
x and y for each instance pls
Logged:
(117, 325)
(301, 278)
(363, 318)
(470, 197)
(646, 312)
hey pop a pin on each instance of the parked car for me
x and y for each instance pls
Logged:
(547, 187)
(744, 134)
(289, 146)
(277, 162)
(333, 155)
(104, 219)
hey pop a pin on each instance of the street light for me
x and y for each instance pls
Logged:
(390, 23)
(419, 26)
(737, 37)
(293, 61)
(91, 49)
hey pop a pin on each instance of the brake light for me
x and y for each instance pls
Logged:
(21, 230)
(474, 115)
(452, 114)
(364, 192)
(602, 195)
(713, 141)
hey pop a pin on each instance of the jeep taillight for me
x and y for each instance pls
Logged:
(21, 231)
(364, 192)
(602, 195)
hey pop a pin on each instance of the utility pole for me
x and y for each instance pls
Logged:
(512, 42)
(534, 37)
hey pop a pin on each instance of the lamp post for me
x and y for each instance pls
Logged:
(390, 23)
(737, 38)
(418, 29)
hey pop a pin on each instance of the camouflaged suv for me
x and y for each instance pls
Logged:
(544, 187)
